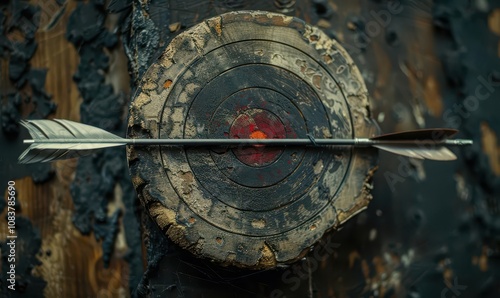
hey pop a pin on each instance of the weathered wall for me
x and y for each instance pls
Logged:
(431, 230)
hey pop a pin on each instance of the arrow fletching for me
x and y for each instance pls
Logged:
(429, 134)
(426, 143)
(438, 153)
(62, 131)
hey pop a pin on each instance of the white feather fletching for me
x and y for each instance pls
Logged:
(437, 153)
(62, 130)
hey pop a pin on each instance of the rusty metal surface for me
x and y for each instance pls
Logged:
(259, 66)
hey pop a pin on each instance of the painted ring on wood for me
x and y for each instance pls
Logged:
(251, 75)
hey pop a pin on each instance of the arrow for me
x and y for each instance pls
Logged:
(62, 139)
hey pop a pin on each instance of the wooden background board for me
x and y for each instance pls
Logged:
(431, 228)
(71, 263)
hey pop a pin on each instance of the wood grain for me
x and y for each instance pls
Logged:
(71, 263)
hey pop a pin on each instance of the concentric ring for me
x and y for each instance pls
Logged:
(251, 75)
(270, 195)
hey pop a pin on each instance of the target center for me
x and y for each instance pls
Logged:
(258, 134)
(257, 124)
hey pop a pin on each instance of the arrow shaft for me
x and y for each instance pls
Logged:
(232, 142)
(59, 139)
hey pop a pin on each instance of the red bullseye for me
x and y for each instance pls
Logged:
(257, 124)
(258, 135)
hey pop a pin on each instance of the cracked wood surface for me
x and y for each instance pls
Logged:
(223, 219)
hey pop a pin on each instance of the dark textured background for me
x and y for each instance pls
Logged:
(432, 229)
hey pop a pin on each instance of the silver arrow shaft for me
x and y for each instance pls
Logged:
(236, 142)
(59, 139)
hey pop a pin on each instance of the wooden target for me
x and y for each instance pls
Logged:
(251, 75)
